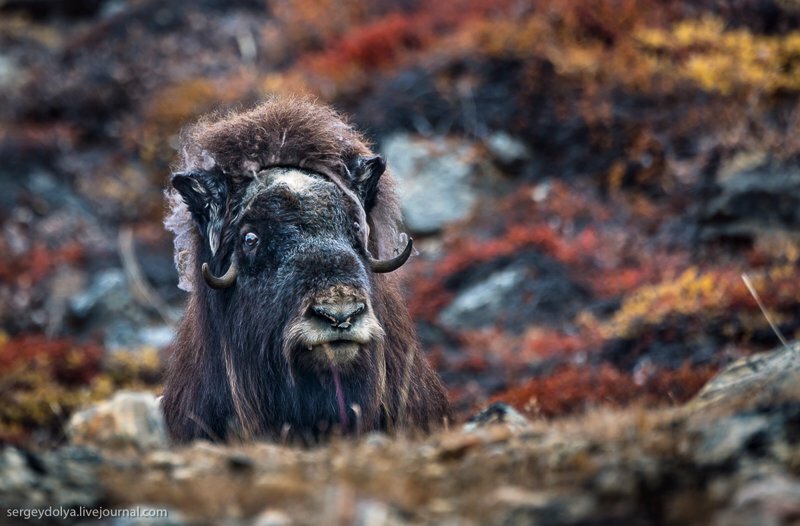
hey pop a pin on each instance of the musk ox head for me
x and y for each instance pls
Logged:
(298, 254)
(283, 221)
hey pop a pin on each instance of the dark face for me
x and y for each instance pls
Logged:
(299, 277)
(301, 263)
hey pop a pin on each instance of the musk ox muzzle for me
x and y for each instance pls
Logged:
(332, 328)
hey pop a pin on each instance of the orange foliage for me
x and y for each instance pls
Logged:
(427, 298)
(520, 237)
(620, 281)
(679, 385)
(573, 388)
(545, 343)
(67, 362)
(39, 261)
(609, 257)
(375, 46)
(43, 380)
(312, 22)
(569, 389)
(369, 45)
(174, 106)
(705, 294)
(604, 20)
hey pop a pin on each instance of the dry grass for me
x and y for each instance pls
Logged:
(451, 473)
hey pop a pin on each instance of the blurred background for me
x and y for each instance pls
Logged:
(587, 181)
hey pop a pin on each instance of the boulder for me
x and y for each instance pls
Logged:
(746, 419)
(61, 478)
(761, 380)
(128, 420)
(757, 200)
(435, 179)
(529, 289)
(483, 302)
(506, 150)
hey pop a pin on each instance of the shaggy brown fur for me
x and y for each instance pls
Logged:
(225, 375)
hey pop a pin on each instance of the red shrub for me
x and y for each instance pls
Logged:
(37, 263)
(547, 343)
(66, 362)
(573, 388)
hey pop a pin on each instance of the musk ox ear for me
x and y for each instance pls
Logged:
(205, 194)
(366, 172)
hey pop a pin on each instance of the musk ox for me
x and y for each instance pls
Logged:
(286, 235)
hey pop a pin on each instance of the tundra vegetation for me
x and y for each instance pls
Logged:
(616, 167)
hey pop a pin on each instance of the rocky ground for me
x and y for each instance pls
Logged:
(587, 184)
(729, 457)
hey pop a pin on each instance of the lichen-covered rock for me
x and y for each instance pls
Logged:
(128, 420)
(435, 180)
(763, 379)
(530, 289)
(498, 413)
(754, 201)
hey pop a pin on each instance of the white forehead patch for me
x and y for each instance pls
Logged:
(297, 181)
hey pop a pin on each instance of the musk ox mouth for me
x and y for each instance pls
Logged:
(332, 334)
(336, 353)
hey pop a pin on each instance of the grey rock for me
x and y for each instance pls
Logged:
(480, 303)
(15, 473)
(377, 439)
(158, 336)
(10, 73)
(746, 413)
(771, 500)
(61, 478)
(435, 180)
(125, 334)
(62, 287)
(506, 149)
(726, 439)
(755, 201)
(517, 505)
(108, 290)
(128, 420)
(108, 304)
(769, 378)
(272, 517)
(531, 289)
(375, 513)
(497, 413)
(66, 212)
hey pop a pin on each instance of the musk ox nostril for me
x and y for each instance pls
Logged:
(339, 315)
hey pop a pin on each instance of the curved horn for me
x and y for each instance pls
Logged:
(226, 281)
(388, 265)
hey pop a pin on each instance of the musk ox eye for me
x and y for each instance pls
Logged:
(250, 240)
